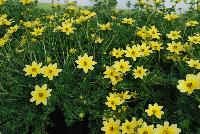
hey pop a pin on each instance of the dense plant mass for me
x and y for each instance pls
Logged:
(130, 72)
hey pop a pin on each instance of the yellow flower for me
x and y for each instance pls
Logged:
(4, 20)
(190, 84)
(194, 63)
(194, 39)
(2, 2)
(171, 16)
(49, 59)
(173, 35)
(122, 66)
(13, 29)
(174, 57)
(175, 47)
(143, 32)
(167, 129)
(110, 72)
(85, 62)
(105, 27)
(81, 115)
(117, 78)
(156, 45)
(114, 76)
(50, 71)
(81, 19)
(191, 23)
(129, 21)
(153, 32)
(140, 72)
(124, 96)
(98, 40)
(72, 50)
(66, 28)
(24, 2)
(40, 94)
(33, 69)
(157, 1)
(36, 23)
(138, 123)
(155, 110)
(37, 31)
(3, 41)
(132, 52)
(27, 24)
(145, 129)
(118, 53)
(113, 101)
(113, 17)
(50, 17)
(144, 49)
(111, 126)
(128, 127)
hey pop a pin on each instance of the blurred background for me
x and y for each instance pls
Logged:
(121, 3)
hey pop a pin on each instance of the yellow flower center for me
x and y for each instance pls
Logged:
(154, 111)
(145, 132)
(189, 85)
(122, 67)
(50, 71)
(85, 63)
(111, 128)
(128, 127)
(112, 103)
(195, 65)
(165, 132)
(41, 95)
(195, 40)
(175, 47)
(139, 71)
(33, 69)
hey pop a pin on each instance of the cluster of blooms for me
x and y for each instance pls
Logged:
(85, 16)
(191, 83)
(117, 71)
(68, 25)
(105, 27)
(31, 24)
(41, 94)
(116, 99)
(146, 32)
(155, 110)
(112, 126)
(171, 16)
(6, 37)
(48, 71)
(128, 21)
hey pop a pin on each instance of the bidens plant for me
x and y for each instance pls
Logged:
(121, 71)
